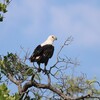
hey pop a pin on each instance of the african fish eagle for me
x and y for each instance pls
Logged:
(44, 52)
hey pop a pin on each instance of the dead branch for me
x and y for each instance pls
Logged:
(44, 86)
(66, 43)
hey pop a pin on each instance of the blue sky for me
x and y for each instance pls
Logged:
(29, 22)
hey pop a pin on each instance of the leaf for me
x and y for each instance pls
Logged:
(4, 10)
(29, 71)
(0, 6)
(7, 1)
(1, 18)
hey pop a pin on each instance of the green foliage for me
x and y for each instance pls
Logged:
(4, 93)
(3, 8)
(76, 86)
(12, 64)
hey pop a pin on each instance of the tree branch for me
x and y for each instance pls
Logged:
(12, 79)
(67, 42)
(18, 83)
(44, 86)
(87, 96)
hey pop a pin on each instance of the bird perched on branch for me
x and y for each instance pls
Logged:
(43, 52)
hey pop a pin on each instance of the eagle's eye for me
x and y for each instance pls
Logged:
(53, 37)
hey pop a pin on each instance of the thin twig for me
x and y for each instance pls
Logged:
(67, 42)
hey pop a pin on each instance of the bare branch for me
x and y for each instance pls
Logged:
(67, 42)
(9, 2)
(45, 86)
(49, 79)
(12, 79)
(18, 83)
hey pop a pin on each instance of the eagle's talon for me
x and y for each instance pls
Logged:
(46, 71)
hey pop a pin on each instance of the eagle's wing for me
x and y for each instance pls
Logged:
(37, 52)
(48, 51)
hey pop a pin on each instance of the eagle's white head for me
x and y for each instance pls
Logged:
(49, 40)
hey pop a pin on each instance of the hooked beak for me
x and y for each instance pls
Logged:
(55, 38)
